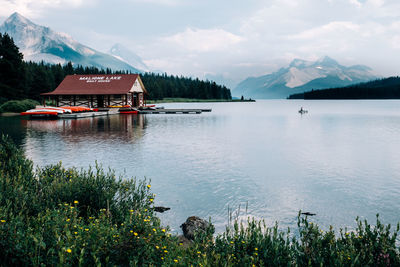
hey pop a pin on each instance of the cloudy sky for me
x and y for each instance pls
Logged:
(231, 39)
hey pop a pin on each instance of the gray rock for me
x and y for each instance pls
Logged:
(194, 225)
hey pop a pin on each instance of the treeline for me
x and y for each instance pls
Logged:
(162, 86)
(387, 88)
(21, 80)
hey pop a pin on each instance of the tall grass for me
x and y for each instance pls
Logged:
(69, 217)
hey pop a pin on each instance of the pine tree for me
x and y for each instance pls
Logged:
(12, 74)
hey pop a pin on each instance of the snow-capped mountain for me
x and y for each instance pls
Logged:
(125, 54)
(39, 43)
(302, 75)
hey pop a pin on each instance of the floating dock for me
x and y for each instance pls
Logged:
(83, 115)
(173, 111)
(106, 112)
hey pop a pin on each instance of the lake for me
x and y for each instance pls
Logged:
(341, 160)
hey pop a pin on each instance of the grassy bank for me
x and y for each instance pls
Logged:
(194, 100)
(69, 217)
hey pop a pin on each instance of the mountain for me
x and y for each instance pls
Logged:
(39, 43)
(125, 54)
(302, 75)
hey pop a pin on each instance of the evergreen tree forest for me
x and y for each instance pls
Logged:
(387, 88)
(27, 80)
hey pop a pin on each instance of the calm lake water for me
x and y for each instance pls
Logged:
(341, 160)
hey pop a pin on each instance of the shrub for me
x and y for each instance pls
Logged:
(18, 105)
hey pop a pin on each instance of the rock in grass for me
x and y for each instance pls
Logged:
(194, 225)
(161, 209)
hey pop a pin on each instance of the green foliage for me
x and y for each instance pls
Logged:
(69, 217)
(387, 88)
(11, 69)
(166, 86)
(18, 105)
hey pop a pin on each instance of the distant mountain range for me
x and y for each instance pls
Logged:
(39, 43)
(302, 75)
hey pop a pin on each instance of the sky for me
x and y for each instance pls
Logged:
(229, 40)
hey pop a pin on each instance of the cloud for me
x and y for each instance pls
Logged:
(160, 2)
(35, 8)
(333, 27)
(204, 40)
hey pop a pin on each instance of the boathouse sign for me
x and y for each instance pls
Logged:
(99, 79)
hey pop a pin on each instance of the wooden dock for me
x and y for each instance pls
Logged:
(173, 111)
(84, 115)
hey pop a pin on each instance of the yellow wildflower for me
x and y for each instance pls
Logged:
(175, 260)
(154, 230)
(131, 211)
(86, 229)
(68, 220)
(157, 247)
(3, 221)
(135, 234)
(163, 230)
(148, 186)
(76, 202)
(69, 250)
(151, 200)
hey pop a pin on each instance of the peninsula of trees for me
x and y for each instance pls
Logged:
(22, 80)
(387, 88)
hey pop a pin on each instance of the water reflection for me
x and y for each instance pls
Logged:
(14, 128)
(126, 128)
(339, 161)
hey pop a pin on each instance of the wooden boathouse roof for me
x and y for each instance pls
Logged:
(93, 84)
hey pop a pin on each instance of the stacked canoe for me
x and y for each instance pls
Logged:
(55, 111)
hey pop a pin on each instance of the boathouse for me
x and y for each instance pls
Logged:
(99, 91)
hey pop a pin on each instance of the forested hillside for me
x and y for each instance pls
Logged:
(21, 80)
(388, 88)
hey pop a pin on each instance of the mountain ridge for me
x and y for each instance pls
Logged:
(40, 43)
(302, 75)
